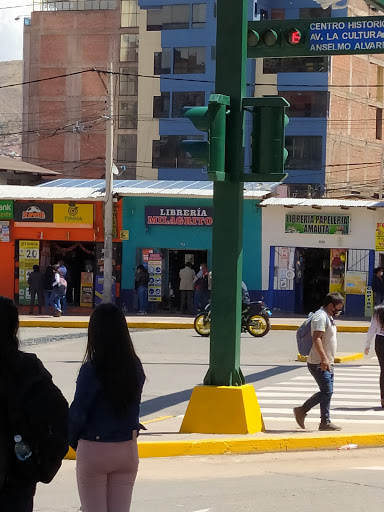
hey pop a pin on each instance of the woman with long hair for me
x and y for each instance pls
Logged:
(30, 405)
(104, 416)
(376, 330)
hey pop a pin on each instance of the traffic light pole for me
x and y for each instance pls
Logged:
(227, 236)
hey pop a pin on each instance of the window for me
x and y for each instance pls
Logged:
(161, 105)
(127, 82)
(127, 114)
(176, 16)
(315, 12)
(129, 13)
(186, 99)
(379, 123)
(163, 62)
(295, 65)
(304, 152)
(78, 5)
(154, 19)
(277, 14)
(189, 60)
(306, 103)
(129, 47)
(380, 83)
(263, 14)
(199, 15)
(168, 154)
(126, 148)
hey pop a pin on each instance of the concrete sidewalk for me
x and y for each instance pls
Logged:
(176, 322)
(162, 439)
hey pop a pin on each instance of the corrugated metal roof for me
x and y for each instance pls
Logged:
(8, 163)
(18, 192)
(150, 188)
(336, 203)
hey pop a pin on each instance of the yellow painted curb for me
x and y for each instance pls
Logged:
(80, 324)
(284, 327)
(159, 325)
(340, 328)
(252, 445)
(338, 359)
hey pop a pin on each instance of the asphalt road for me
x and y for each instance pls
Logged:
(342, 481)
(177, 360)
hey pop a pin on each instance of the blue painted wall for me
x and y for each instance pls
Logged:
(184, 238)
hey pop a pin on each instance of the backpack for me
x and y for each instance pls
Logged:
(202, 283)
(38, 412)
(304, 335)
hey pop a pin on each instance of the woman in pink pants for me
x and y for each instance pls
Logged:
(104, 416)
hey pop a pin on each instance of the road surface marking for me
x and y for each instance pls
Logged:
(372, 468)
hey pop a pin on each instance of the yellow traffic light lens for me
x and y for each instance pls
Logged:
(294, 36)
(253, 38)
(270, 37)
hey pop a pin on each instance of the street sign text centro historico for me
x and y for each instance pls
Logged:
(315, 37)
(6, 210)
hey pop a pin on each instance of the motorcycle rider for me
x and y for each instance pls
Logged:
(245, 298)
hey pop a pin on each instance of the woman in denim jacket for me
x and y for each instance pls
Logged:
(104, 416)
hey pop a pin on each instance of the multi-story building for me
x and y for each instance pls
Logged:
(64, 118)
(335, 134)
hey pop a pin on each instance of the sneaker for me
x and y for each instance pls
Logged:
(299, 416)
(329, 426)
(140, 313)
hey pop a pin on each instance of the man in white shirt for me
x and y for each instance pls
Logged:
(186, 287)
(321, 359)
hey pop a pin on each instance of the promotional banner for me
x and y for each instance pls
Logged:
(28, 256)
(178, 216)
(155, 268)
(355, 283)
(6, 210)
(337, 270)
(86, 289)
(33, 212)
(317, 224)
(4, 230)
(79, 215)
(368, 307)
(379, 237)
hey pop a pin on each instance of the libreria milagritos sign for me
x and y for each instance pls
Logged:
(317, 224)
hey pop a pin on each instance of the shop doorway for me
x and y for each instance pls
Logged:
(78, 257)
(313, 278)
(176, 261)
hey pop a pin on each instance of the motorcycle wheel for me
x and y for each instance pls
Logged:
(202, 325)
(258, 325)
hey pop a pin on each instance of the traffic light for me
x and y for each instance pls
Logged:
(268, 138)
(210, 119)
(270, 37)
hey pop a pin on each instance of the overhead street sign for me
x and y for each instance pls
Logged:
(316, 37)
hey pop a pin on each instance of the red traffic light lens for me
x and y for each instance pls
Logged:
(294, 37)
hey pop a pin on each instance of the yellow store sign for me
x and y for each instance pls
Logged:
(77, 215)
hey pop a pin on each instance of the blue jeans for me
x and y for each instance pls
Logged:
(200, 300)
(323, 397)
(142, 294)
(47, 300)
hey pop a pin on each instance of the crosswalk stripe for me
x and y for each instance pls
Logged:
(316, 420)
(351, 379)
(274, 410)
(311, 383)
(334, 403)
(336, 396)
(361, 392)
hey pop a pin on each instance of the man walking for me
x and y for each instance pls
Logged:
(187, 276)
(320, 361)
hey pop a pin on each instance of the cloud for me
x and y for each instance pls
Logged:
(11, 31)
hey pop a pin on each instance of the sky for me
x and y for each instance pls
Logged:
(11, 31)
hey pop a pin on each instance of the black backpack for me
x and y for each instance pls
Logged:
(38, 412)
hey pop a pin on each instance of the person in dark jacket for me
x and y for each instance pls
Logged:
(141, 286)
(27, 395)
(49, 278)
(36, 287)
(104, 416)
(378, 285)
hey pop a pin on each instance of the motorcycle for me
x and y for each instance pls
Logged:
(254, 319)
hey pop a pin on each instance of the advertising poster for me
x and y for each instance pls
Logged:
(6, 210)
(368, 307)
(355, 283)
(78, 215)
(29, 255)
(379, 237)
(4, 231)
(337, 271)
(86, 290)
(317, 224)
(155, 267)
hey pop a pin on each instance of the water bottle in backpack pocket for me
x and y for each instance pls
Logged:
(22, 450)
(304, 336)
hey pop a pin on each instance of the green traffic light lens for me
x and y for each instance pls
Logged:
(270, 37)
(253, 38)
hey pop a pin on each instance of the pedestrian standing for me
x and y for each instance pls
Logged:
(320, 361)
(36, 287)
(376, 330)
(59, 291)
(141, 285)
(201, 288)
(32, 408)
(186, 287)
(64, 272)
(378, 285)
(49, 278)
(104, 416)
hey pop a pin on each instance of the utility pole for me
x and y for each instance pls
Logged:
(108, 200)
